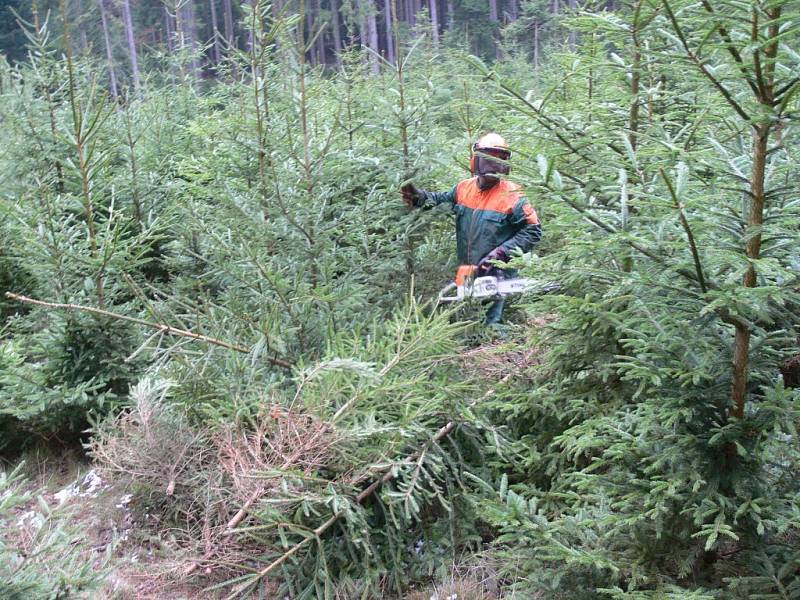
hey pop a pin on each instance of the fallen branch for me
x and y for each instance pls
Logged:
(229, 528)
(687, 228)
(366, 493)
(298, 449)
(237, 518)
(391, 473)
(159, 326)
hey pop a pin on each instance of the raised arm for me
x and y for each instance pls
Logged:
(415, 197)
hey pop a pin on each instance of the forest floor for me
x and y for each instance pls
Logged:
(105, 526)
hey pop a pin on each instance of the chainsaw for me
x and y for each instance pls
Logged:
(467, 285)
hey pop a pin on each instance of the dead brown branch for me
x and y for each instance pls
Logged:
(284, 439)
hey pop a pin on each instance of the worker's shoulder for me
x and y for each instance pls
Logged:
(502, 197)
(508, 194)
(511, 186)
(465, 183)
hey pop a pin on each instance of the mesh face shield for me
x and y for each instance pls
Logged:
(491, 162)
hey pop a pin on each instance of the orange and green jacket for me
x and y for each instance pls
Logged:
(500, 216)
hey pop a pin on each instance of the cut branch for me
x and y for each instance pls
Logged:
(724, 314)
(159, 326)
(390, 474)
(366, 493)
(734, 51)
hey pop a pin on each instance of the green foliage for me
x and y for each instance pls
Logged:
(71, 241)
(264, 214)
(308, 454)
(261, 216)
(76, 367)
(641, 473)
(380, 405)
(37, 555)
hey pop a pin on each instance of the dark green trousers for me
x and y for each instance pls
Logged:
(494, 314)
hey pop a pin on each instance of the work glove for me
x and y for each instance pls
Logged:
(412, 195)
(485, 265)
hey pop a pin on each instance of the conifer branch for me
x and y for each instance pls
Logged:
(734, 52)
(761, 90)
(545, 121)
(160, 326)
(724, 314)
(321, 529)
(786, 88)
(391, 473)
(552, 125)
(687, 228)
(701, 65)
(606, 227)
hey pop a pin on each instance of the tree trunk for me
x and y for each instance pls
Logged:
(493, 17)
(513, 10)
(129, 35)
(227, 16)
(741, 352)
(435, 21)
(215, 53)
(250, 35)
(337, 31)
(109, 54)
(633, 110)
(636, 75)
(170, 26)
(372, 28)
(312, 58)
(411, 17)
(758, 197)
(320, 41)
(387, 15)
(362, 23)
(451, 15)
(81, 26)
(187, 33)
(536, 43)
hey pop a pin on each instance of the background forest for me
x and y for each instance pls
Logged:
(210, 286)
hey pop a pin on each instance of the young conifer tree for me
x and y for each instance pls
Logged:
(658, 433)
(74, 235)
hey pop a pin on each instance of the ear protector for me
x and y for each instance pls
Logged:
(473, 160)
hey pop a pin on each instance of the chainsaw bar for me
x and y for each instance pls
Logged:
(492, 287)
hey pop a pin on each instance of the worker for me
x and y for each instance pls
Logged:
(493, 218)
